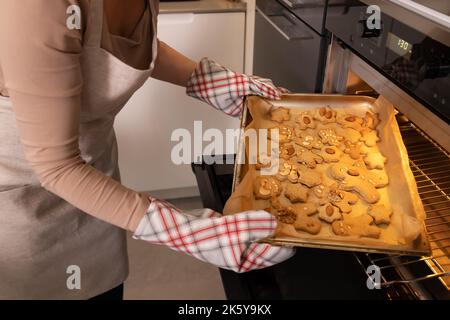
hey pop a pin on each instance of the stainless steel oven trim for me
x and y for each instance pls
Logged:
(341, 60)
(428, 13)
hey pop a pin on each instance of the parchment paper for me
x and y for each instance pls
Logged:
(406, 232)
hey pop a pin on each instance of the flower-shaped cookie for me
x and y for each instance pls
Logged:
(329, 213)
(355, 150)
(309, 141)
(370, 137)
(296, 192)
(280, 114)
(350, 121)
(325, 115)
(305, 121)
(375, 160)
(266, 187)
(285, 133)
(380, 214)
(330, 137)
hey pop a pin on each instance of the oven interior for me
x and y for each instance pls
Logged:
(420, 277)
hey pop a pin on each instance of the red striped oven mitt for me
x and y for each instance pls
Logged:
(225, 89)
(225, 241)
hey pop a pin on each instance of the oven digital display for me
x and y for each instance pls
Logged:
(398, 45)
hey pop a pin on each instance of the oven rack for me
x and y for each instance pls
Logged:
(430, 165)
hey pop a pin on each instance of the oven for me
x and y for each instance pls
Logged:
(410, 67)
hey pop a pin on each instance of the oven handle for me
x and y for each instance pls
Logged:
(290, 4)
(279, 28)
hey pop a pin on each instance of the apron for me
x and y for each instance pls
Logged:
(45, 241)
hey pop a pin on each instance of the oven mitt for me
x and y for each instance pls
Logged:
(225, 241)
(225, 89)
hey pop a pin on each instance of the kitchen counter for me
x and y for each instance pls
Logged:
(202, 6)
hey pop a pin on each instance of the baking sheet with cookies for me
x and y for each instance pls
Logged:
(343, 180)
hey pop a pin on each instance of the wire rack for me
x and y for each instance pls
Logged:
(430, 165)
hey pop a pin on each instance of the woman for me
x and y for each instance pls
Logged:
(67, 67)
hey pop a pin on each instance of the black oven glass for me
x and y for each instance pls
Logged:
(417, 63)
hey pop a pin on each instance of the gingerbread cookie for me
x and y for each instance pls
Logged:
(265, 187)
(285, 133)
(329, 213)
(342, 199)
(325, 115)
(370, 137)
(283, 171)
(359, 226)
(380, 214)
(371, 120)
(352, 179)
(354, 150)
(349, 134)
(305, 121)
(308, 177)
(280, 114)
(375, 160)
(309, 141)
(263, 160)
(350, 121)
(378, 178)
(307, 208)
(287, 151)
(285, 216)
(321, 192)
(308, 158)
(330, 153)
(330, 137)
(296, 193)
(306, 223)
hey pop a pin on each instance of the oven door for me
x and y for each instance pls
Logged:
(287, 50)
(427, 140)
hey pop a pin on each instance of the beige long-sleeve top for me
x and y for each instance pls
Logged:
(40, 71)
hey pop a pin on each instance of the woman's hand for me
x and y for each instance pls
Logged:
(225, 89)
(228, 242)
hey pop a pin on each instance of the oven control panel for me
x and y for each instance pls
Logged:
(417, 63)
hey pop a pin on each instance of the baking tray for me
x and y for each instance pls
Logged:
(407, 201)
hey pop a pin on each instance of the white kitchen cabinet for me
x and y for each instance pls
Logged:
(144, 127)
